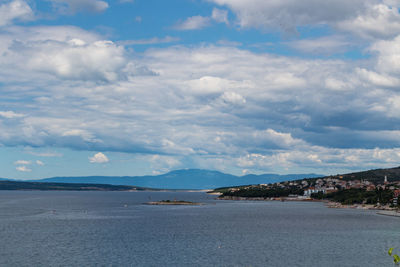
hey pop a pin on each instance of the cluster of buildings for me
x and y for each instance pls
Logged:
(303, 189)
(328, 185)
(331, 184)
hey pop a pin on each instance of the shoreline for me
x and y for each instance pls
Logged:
(392, 213)
(337, 205)
(282, 199)
(381, 210)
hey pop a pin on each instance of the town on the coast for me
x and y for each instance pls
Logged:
(375, 189)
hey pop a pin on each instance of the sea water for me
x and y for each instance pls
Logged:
(117, 229)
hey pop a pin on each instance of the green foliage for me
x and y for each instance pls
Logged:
(264, 192)
(13, 185)
(361, 196)
(396, 258)
(319, 195)
(224, 190)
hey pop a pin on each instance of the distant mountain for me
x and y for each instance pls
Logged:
(183, 179)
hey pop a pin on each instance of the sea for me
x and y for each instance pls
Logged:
(60, 228)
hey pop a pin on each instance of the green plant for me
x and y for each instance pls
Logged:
(396, 258)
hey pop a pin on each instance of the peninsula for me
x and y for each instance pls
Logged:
(17, 185)
(375, 189)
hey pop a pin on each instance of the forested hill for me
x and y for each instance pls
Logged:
(375, 176)
(15, 185)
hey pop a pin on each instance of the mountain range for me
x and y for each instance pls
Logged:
(183, 179)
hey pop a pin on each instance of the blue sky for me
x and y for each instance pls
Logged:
(92, 87)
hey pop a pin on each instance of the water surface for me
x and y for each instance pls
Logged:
(116, 229)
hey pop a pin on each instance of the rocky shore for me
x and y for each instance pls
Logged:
(270, 199)
(394, 213)
(337, 205)
(381, 209)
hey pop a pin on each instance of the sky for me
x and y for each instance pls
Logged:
(142, 87)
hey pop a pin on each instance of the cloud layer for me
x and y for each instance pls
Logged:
(209, 105)
(366, 18)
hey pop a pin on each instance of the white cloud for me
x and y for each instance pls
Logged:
(245, 172)
(220, 15)
(365, 18)
(83, 134)
(23, 169)
(73, 6)
(381, 80)
(162, 164)
(193, 23)
(77, 60)
(11, 114)
(98, 158)
(200, 22)
(22, 162)
(323, 45)
(180, 111)
(388, 55)
(15, 10)
(232, 97)
(378, 21)
(322, 158)
(39, 162)
(64, 52)
(336, 84)
(281, 139)
(288, 14)
(208, 85)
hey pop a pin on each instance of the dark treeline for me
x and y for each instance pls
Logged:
(264, 192)
(12, 185)
(358, 196)
(345, 196)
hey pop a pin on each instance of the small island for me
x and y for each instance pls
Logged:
(173, 202)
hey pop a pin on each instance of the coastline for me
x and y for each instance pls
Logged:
(381, 210)
(392, 213)
(283, 199)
